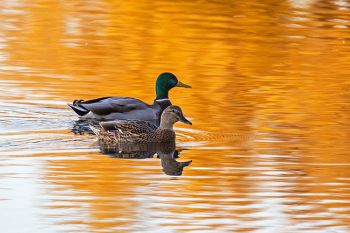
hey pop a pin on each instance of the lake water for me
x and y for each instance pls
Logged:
(270, 107)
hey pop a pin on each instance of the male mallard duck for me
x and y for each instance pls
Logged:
(126, 108)
(138, 131)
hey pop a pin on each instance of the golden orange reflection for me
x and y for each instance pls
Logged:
(270, 98)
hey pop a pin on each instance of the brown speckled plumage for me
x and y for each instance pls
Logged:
(137, 131)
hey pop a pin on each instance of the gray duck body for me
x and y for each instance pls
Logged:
(123, 108)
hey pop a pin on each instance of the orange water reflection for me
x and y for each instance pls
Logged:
(269, 105)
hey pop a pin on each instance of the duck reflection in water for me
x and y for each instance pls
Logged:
(165, 151)
(83, 126)
(170, 166)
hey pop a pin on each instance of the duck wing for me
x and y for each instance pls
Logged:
(137, 127)
(120, 108)
(108, 105)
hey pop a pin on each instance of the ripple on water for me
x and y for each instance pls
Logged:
(269, 104)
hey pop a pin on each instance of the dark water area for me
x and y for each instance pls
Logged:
(269, 143)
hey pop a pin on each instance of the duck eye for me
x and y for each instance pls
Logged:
(172, 82)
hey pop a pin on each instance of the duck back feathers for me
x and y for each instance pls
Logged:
(131, 131)
(120, 108)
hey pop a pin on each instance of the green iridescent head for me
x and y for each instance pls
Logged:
(165, 82)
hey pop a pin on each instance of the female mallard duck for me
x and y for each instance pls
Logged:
(138, 131)
(126, 108)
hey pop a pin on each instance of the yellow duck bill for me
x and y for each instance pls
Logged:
(180, 84)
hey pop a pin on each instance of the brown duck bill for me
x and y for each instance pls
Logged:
(184, 120)
(180, 84)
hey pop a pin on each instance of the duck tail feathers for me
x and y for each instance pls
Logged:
(81, 111)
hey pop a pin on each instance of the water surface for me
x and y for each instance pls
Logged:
(270, 109)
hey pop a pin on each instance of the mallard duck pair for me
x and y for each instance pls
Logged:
(134, 121)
